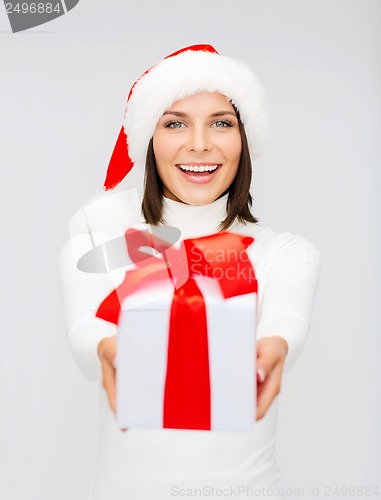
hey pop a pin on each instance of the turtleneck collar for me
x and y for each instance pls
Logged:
(195, 219)
(175, 211)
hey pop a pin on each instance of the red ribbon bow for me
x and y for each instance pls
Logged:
(221, 256)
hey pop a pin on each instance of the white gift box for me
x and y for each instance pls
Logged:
(142, 344)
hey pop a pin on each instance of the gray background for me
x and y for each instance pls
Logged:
(63, 89)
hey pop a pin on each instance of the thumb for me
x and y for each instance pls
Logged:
(261, 375)
(266, 359)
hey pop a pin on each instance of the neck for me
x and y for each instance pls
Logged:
(195, 219)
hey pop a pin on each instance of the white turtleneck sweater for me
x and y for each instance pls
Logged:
(165, 463)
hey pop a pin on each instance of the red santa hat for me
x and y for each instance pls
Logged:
(198, 68)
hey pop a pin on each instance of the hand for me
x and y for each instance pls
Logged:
(107, 355)
(271, 353)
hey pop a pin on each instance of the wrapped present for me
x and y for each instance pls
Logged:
(186, 335)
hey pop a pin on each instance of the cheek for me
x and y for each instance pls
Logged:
(164, 147)
(231, 174)
(231, 147)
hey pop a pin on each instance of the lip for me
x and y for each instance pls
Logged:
(198, 164)
(195, 179)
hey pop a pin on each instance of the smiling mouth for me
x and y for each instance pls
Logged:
(199, 170)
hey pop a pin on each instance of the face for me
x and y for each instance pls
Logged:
(197, 146)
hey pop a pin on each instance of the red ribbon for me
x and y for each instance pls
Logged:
(222, 256)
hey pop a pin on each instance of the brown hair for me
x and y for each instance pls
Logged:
(239, 200)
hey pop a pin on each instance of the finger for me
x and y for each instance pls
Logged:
(109, 382)
(261, 375)
(115, 362)
(268, 356)
(265, 366)
(268, 390)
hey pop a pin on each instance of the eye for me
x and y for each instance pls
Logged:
(173, 124)
(223, 124)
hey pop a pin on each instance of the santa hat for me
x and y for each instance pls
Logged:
(198, 68)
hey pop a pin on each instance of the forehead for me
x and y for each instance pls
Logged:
(203, 100)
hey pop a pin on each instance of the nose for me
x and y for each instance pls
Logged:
(199, 140)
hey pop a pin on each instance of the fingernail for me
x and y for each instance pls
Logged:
(261, 375)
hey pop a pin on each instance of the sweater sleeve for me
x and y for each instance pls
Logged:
(82, 294)
(289, 293)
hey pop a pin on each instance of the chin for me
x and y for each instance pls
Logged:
(200, 199)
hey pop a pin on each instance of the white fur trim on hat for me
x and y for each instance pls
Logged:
(183, 75)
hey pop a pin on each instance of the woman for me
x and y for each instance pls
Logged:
(195, 120)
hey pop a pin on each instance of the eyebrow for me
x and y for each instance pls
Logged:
(213, 115)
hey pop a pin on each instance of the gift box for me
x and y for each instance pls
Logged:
(186, 339)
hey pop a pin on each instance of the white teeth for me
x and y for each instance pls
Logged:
(201, 168)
